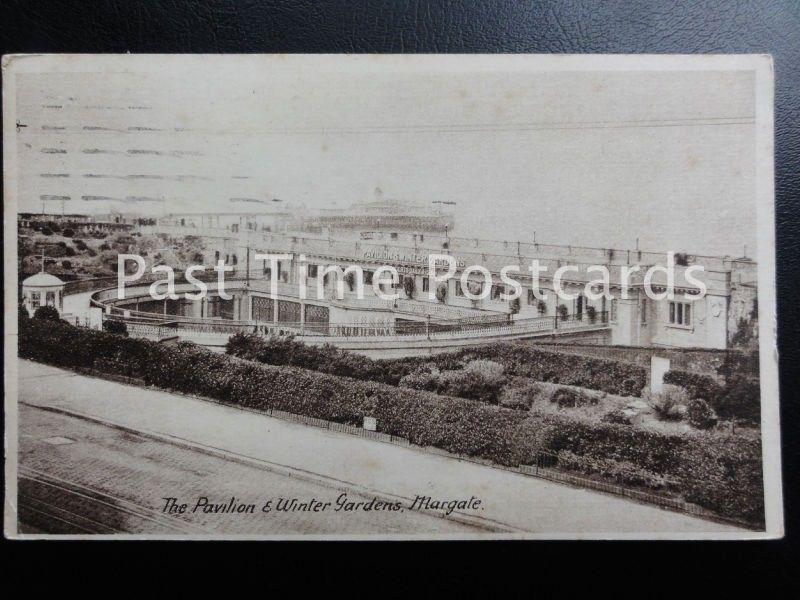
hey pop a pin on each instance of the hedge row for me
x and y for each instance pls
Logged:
(614, 377)
(707, 467)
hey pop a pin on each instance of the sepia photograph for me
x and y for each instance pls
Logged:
(390, 297)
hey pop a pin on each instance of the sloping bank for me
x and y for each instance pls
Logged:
(717, 472)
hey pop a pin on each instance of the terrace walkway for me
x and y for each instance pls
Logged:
(510, 501)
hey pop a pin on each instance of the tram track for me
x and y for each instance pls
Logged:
(59, 505)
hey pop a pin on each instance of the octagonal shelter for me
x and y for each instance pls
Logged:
(42, 289)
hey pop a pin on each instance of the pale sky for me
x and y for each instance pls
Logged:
(587, 158)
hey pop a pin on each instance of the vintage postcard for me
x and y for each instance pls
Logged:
(390, 297)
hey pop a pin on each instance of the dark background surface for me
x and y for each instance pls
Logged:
(386, 26)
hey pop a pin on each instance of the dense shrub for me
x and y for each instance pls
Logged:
(697, 385)
(470, 384)
(479, 380)
(614, 377)
(738, 398)
(700, 414)
(724, 474)
(720, 473)
(669, 403)
(68, 232)
(570, 397)
(741, 399)
(47, 313)
(522, 397)
(425, 378)
(621, 472)
(115, 327)
(618, 416)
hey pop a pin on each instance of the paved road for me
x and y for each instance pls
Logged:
(509, 501)
(77, 476)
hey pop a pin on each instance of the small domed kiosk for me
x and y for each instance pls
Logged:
(42, 289)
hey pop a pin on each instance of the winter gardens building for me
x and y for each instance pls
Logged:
(429, 315)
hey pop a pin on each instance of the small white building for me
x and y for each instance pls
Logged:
(42, 289)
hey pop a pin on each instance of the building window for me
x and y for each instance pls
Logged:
(394, 236)
(680, 313)
(35, 300)
(312, 271)
(426, 284)
(459, 289)
(613, 310)
(367, 277)
(643, 312)
(51, 298)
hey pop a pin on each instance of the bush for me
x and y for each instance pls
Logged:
(613, 377)
(47, 231)
(621, 472)
(115, 327)
(669, 403)
(22, 313)
(68, 233)
(697, 385)
(522, 397)
(570, 397)
(66, 264)
(724, 474)
(618, 416)
(479, 380)
(47, 313)
(426, 379)
(739, 398)
(700, 414)
(719, 473)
